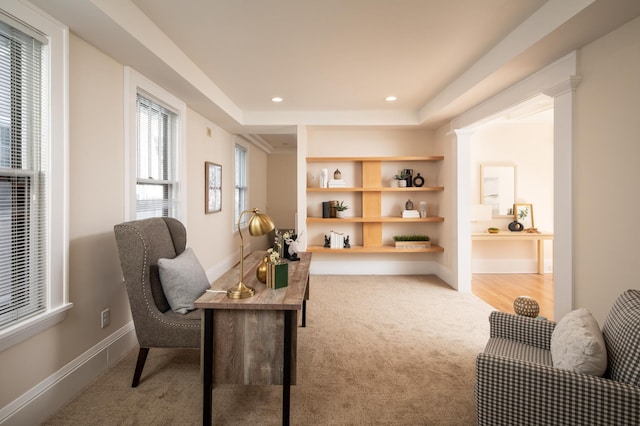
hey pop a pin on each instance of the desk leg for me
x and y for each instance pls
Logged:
(207, 368)
(286, 370)
(304, 304)
(541, 256)
(304, 313)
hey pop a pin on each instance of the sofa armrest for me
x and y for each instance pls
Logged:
(514, 392)
(527, 330)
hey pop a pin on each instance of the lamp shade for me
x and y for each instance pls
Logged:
(260, 224)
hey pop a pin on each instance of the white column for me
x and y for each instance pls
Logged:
(461, 179)
(563, 100)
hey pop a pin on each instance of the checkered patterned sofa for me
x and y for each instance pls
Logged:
(516, 383)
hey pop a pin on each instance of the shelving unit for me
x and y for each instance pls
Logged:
(371, 194)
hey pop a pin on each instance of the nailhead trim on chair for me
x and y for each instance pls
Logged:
(151, 308)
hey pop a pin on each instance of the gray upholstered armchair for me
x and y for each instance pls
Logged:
(517, 383)
(140, 244)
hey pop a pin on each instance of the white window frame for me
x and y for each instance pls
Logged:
(135, 83)
(58, 145)
(240, 175)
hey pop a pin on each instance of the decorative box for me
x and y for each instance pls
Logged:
(277, 275)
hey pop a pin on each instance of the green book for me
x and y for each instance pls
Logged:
(277, 275)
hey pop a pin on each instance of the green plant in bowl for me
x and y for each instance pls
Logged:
(411, 238)
(341, 206)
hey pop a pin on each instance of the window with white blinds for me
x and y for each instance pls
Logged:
(156, 183)
(24, 163)
(155, 169)
(241, 188)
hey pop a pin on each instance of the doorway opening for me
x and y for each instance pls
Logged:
(511, 160)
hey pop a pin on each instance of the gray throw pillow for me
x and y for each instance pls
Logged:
(183, 280)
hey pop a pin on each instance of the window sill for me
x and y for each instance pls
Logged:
(28, 328)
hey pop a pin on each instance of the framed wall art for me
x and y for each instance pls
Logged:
(212, 187)
(523, 213)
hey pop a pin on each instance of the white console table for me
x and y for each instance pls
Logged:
(518, 236)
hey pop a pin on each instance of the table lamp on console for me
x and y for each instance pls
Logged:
(259, 224)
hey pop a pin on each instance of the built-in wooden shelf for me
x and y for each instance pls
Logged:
(375, 219)
(374, 249)
(381, 189)
(371, 194)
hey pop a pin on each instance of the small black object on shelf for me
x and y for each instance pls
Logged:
(418, 180)
(516, 226)
(409, 177)
(326, 210)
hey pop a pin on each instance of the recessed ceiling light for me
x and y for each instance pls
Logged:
(277, 99)
(390, 98)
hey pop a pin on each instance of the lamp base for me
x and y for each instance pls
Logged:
(240, 291)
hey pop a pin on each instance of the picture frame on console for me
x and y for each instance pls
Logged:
(523, 213)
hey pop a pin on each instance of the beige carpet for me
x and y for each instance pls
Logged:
(377, 350)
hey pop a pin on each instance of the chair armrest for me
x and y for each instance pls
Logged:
(527, 330)
(514, 392)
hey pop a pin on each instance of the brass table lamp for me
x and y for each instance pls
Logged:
(259, 224)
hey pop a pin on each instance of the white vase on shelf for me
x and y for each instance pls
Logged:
(324, 178)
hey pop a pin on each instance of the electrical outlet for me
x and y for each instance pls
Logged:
(105, 318)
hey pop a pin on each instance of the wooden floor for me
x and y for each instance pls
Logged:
(500, 290)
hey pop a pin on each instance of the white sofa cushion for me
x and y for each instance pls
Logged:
(577, 344)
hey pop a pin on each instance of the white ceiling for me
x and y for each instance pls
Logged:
(334, 61)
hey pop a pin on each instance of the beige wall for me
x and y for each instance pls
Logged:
(281, 189)
(97, 204)
(257, 193)
(606, 171)
(216, 241)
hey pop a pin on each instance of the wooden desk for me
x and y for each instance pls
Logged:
(253, 340)
(518, 236)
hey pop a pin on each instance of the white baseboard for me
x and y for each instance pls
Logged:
(354, 264)
(446, 275)
(41, 401)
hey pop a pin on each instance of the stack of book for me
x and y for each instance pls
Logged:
(337, 183)
(410, 214)
(277, 275)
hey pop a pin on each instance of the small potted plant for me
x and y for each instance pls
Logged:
(412, 241)
(401, 178)
(340, 208)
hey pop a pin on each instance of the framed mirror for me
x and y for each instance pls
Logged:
(498, 187)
